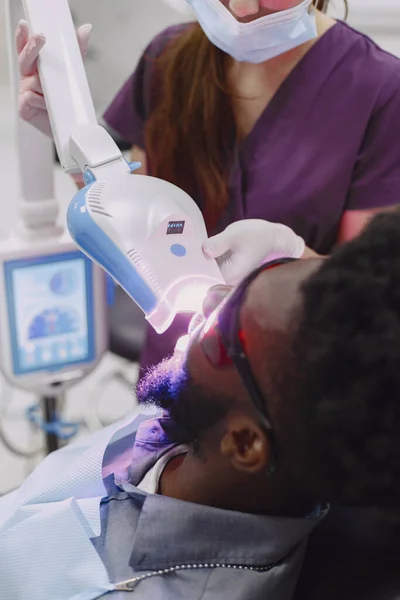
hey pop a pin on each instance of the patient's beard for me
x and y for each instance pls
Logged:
(163, 384)
(192, 407)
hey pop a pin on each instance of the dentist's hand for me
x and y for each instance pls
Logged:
(245, 245)
(32, 105)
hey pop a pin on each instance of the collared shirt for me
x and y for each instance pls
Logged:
(189, 551)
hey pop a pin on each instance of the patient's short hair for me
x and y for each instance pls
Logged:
(342, 370)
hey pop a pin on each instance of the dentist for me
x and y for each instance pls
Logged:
(263, 110)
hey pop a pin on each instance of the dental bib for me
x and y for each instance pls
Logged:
(47, 524)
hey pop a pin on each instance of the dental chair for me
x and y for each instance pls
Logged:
(353, 555)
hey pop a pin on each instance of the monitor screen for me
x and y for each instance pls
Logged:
(50, 310)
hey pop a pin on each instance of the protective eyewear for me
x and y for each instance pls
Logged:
(224, 345)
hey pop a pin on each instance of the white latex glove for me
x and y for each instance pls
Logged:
(32, 105)
(247, 244)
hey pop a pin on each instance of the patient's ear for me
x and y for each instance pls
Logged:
(245, 444)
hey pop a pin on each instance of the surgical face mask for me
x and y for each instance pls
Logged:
(261, 39)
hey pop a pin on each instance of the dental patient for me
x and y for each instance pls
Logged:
(286, 399)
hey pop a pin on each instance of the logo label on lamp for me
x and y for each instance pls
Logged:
(175, 227)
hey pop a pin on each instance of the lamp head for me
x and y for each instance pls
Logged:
(148, 235)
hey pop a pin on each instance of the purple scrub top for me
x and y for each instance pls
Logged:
(329, 141)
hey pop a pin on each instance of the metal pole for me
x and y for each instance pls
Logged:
(50, 417)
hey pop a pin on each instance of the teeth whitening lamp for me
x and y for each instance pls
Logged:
(146, 233)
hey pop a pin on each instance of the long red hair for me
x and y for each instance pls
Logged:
(191, 133)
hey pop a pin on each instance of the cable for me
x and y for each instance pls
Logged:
(10, 446)
(51, 424)
(91, 409)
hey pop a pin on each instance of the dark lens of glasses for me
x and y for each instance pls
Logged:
(223, 338)
(215, 350)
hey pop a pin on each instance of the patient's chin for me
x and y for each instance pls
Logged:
(192, 407)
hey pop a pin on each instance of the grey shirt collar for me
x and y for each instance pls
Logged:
(193, 533)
